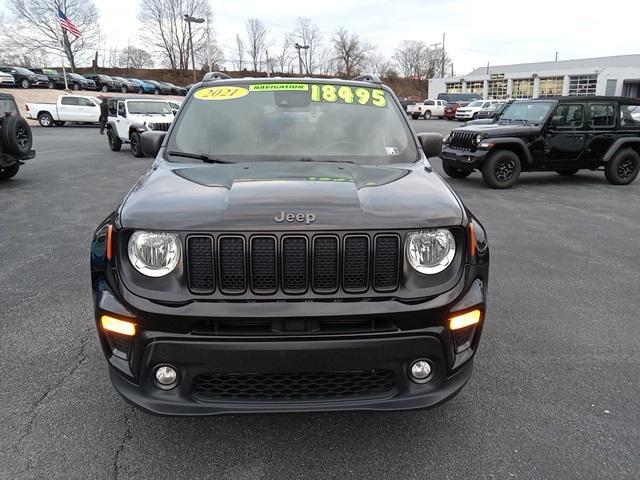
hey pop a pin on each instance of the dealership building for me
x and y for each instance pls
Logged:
(619, 75)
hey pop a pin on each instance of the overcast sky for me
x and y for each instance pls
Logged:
(477, 32)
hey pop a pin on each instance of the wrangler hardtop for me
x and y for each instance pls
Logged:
(563, 134)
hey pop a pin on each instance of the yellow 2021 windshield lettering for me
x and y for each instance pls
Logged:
(221, 93)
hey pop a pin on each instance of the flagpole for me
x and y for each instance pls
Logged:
(56, 7)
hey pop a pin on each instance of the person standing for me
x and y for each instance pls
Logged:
(104, 112)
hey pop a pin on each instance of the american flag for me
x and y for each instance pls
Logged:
(67, 24)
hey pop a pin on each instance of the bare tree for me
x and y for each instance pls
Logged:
(239, 52)
(35, 27)
(164, 28)
(285, 57)
(257, 33)
(134, 57)
(416, 59)
(308, 34)
(350, 52)
(327, 64)
(380, 65)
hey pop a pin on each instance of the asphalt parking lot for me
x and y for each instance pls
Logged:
(555, 392)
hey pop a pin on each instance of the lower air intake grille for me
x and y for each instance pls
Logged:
(291, 386)
(232, 264)
(200, 256)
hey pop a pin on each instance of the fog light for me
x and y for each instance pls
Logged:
(166, 376)
(420, 370)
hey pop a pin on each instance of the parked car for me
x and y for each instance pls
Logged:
(160, 88)
(55, 79)
(126, 85)
(78, 82)
(451, 108)
(235, 278)
(471, 111)
(23, 77)
(143, 85)
(15, 138)
(68, 108)
(491, 110)
(7, 80)
(129, 117)
(563, 135)
(459, 97)
(494, 117)
(427, 109)
(104, 83)
(177, 90)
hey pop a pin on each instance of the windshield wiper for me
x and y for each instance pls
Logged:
(198, 156)
(309, 159)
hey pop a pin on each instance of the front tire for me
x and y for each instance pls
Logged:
(9, 172)
(501, 169)
(136, 147)
(427, 115)
(123, 89)
(115, 144)
(455, 172)
(51, 86)
(25, 83)
(45, 120)
(623, 168)
(76, 87)
(104, 89)
(474, 116)
(157, 92)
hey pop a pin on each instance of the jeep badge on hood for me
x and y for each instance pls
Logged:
(295, 217)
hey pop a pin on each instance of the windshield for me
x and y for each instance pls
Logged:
(146, 107)
(76, 76)
(8, 107)
(301, 121)
(476, 104)
(526, 112)
(23, 71)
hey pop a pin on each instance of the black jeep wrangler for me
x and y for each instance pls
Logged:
(15, 138)
(562, 135)
(290, 249)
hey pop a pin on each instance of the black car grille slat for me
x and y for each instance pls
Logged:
(462, 140)
(325, 264)
(294, 264)
(386, 262)
(355, 265)
(264, 277)
(232, 264)
(162, 127)
(304, 386)
(200, 261)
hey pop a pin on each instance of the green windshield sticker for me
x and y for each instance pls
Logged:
(270, 87)
(346, 94)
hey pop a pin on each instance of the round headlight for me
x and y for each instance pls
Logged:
(154, 254)
(151, 126)
(446, 139)
(430, 251)
(479, 138)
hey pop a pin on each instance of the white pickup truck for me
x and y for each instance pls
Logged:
(427, 109)
(68, 108)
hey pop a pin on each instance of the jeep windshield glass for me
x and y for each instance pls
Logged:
(149, 108)
(525, 112)
(293, 122)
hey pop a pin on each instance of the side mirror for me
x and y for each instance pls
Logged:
(151, 142)
(431, 144)
(174, 111)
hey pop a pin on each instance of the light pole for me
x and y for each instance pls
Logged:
(189, 19)
(300, 47)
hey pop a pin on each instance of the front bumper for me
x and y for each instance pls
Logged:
(181, 336)
(464, 115)
(466, 159)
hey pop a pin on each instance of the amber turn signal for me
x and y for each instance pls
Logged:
(464, 320)
(472, 240)
(116, 325)
(109, 242)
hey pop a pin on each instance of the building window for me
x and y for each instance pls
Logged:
(522, 88)
(497, 89)
(583, 85)
(551, 87)
(455, 87)
(475, 87)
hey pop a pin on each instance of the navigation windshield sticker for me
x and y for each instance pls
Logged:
(270, 87)
(221, 93)
(349, 95)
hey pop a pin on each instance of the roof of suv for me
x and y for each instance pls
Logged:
(359, 83)
(592, 98)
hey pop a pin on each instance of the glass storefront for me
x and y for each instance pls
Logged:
(551, 87)
(522, 88)
(583, 85)
(475, 87)
(497, 89)
(454, 87)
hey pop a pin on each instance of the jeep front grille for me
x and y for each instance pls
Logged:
(163, 127)
(293, 264)
(462, 140)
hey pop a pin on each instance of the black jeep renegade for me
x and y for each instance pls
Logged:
(290, 249)
(562, 135)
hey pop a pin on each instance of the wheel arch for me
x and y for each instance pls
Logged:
(515, 145)
(619, 144)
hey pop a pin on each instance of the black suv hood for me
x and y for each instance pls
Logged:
(247, 197)
(501, 130)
